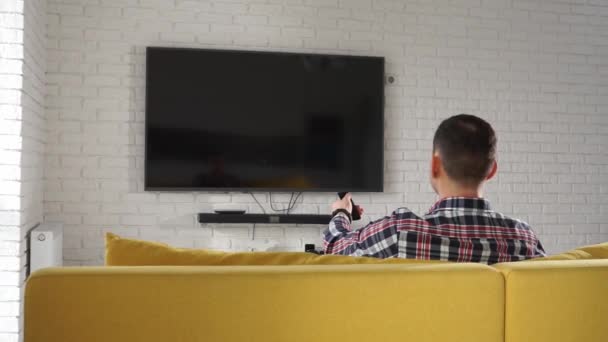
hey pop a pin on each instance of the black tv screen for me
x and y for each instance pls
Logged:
(243, 120)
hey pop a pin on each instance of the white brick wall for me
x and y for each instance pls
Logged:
(33, 120)
(536, 69)
(22, 88)
(11, 67)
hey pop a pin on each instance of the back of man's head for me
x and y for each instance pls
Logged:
(467, 147)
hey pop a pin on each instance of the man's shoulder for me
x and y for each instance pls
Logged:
(403, 213)
(511, 222)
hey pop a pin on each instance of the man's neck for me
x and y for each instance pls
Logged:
(460, 192)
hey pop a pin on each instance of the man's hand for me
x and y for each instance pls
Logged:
(345, 203)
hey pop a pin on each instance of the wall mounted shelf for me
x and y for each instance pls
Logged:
(264, 218)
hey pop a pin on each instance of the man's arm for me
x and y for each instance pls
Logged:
(378, 239)
(539, 250)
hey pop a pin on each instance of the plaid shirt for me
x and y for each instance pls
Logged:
(455, 229)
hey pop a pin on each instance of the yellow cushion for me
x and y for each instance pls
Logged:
(329, 303)
(574, 254)
(549, 301)
(131, 252)
(599, 251)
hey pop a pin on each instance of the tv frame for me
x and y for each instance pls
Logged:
(256, 189)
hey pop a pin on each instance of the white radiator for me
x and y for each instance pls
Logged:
(46, 246)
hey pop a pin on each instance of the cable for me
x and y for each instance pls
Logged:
(292, 202)
(272, 205)
(295, 201)
(256, 201)
(289, 205)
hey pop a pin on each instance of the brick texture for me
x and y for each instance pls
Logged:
(537, 70)
(22, 139)
(11, 80)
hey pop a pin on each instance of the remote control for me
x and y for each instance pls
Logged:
(356, 215)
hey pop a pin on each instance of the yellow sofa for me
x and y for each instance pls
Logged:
(543, 301)
(564, 301)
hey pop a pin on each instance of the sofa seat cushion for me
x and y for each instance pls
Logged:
(574, 254)
(599, 251)
(131, 252)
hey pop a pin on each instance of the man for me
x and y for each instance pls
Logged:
(461, 226)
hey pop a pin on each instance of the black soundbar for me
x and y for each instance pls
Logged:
(264, 218)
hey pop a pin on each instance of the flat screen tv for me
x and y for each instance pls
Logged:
(222, 120)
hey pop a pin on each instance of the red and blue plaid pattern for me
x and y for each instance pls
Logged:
(455, 229)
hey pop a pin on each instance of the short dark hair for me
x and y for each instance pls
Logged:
(467, 148)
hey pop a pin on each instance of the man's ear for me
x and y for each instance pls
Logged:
(435, 165)
(492, 171)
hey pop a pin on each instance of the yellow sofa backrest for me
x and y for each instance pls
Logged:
(550, 301)
(440, 302)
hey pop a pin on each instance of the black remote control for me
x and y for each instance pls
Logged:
(356, 215)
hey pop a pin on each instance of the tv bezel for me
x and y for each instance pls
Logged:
(260, 189)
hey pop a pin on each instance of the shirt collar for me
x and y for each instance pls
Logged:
(461, 203)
